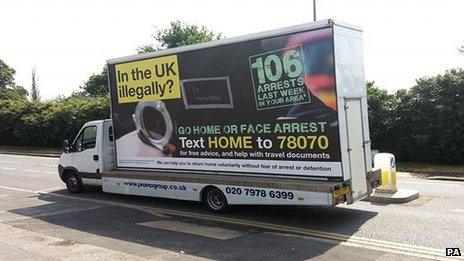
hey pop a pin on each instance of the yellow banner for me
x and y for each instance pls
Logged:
(148, 80)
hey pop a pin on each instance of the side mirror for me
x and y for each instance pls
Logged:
(66, 147)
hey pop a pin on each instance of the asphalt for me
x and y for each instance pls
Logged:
(39, 219)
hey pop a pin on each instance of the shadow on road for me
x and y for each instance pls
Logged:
(123, 224)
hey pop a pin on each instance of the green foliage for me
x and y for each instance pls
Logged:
(97, 84)
(47, 124)
(425, 122)
(147, 48)
(180, 34)
(6, 75)
(380, 114)
(13, 93)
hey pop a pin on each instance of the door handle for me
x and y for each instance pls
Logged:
(95, 157)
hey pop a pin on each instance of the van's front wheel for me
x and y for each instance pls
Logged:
(215, 200)
(74, 183)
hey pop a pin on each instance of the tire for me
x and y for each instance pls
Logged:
(215, 200)
(74, 183)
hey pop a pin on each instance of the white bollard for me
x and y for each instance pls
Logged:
(387, 192)
(386, 162)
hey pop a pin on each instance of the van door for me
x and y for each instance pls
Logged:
(357, 156)
(107, 151)
(85, 153)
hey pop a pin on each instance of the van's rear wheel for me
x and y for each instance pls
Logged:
(215, 200)
(74, 183)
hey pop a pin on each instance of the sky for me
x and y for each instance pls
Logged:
(69, 40)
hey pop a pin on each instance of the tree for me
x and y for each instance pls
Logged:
(423, 123)
(35, 95)
(180, 34)
(429, 120)
(26, 123)
(14, 93)
(146, 48)
(8, 89)
(6, 75)
(380, 115)
(97, 84)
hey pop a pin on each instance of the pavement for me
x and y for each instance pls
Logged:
(40, 220)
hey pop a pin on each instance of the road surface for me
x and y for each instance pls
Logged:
(40, 220)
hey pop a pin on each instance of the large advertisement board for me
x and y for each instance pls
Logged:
(266, 106)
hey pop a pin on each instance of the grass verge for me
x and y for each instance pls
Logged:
(433, 169)
(33, 151)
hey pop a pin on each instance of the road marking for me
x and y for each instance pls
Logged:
(42, 191)
(385, 246)
(52, 213)
(458, 210)
(47, 165)
(9, 162)
(31, 170)
(382, 245)
(356, 241)
(349, 244)
(18, 189)
(27, 156)
(6, 168)
(193, 229)
(49, 189)
(1, 196)
(51, 172)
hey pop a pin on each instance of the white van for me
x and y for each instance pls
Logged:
(274, 118)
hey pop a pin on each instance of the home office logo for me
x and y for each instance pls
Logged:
(452, 251)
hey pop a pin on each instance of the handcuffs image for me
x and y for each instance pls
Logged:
(146, 135)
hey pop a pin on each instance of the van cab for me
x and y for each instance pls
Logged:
(90, 154)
